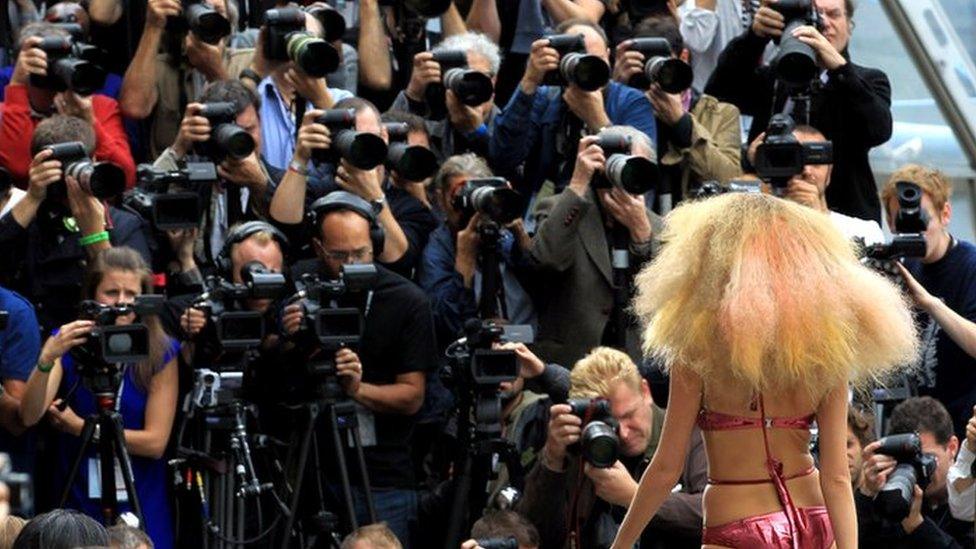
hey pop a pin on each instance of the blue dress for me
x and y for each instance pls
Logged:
(150, 475)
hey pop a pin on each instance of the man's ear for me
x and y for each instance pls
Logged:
(953, 446)
(946, 214)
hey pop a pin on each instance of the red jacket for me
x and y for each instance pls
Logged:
(17, 128)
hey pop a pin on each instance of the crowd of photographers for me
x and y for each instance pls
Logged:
(281, 274)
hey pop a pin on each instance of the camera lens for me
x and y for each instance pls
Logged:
(314, 56)
(78, 75)
(332, 21)
(796, 62)
(412, 162)
(500, 204)
(99, 179)
(233, 141)
(895, 498)
(589, 72)
(363, 150)
(634, 174)
(208, 25)
(673, 75)
(471, 87)
(600, 444)
(119, 343)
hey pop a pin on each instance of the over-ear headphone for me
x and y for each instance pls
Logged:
(346, 201)
(242, 232)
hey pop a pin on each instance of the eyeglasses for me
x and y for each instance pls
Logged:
(343, 256)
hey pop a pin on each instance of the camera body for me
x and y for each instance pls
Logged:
(234, 328)
(795, 62)
(334, 326)
(910, 225)
(361, 149)
(671, 74)
(492, 197)
(202, 20)
(100, 179)
(227, 139)
(634, 174)
(914, 467)
(153, 202)
(287, 40)
(588, 72)
(424, 8)
(109, 345)
(412, 162)
(781, 156)
(598, 443)
(71, 66)
(471, 87)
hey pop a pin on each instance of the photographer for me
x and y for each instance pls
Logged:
(945, 292)
(19, 345)
(49, 235)
(850, 104)
(385, 374)
(417, 136)
(860, 433)
(541, 125)
(242, 191)
(586, 294)
(464, 128)
(698, 136)
(25, 105)
(603, 494)
(146, 396)
(502, 525)
(161, 84)
(929, 523)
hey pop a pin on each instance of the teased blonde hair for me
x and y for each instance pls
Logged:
(595, 374)
(771, 292)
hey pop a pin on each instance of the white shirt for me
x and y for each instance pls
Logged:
(853, 227)
(961, 505)
(16, 195)
(706, 33)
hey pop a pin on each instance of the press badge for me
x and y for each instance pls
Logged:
(366, 423)
(95, 480)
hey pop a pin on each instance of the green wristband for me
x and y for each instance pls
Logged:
(93, 238)
(45, 367)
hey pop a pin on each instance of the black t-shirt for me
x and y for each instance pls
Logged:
(398, 338)
(946, 368)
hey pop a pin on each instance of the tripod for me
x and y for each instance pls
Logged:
(104, 429)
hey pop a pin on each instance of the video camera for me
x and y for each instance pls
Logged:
(287, 40)
(333, 326)
(498, 543)
(412, 162)
(795, 62)
(361, 149)
(894, 501)
(202, 20)
(239, 329)
(634, 174)
(471, 87)
(478, 365)
(781, 156)
(100, 179)
(492, 197)
(671, 74)
(153, 202)
(588, 72)
(910, 225)
(425, 8)
(226, 137)
(598, 443)
(71, 66)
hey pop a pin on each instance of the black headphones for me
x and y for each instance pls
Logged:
(346, 201)
(242, 232)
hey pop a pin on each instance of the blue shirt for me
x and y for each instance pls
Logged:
(20, 345)
(526, 133)
(278, 123)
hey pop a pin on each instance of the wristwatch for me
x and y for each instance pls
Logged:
(378, 204)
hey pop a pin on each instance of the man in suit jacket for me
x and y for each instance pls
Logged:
(850, 104)
(589, 244)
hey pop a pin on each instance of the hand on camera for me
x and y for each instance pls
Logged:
(66, 421)
(629, 210)
(365, 183)
(315, 90)
(803, 192)
(564, 429)
(668, 107)
(68, 337)
(588, 106)
(349, 370)
(42, 174)
(875, 469)
(193, 321)
(920, 295)
(767, 22)
(971, 432)
(627, 63)
(425, 71)
(193, 129)
(206, 58)
(827, 56)
(70, 103)
(530, 366)
(613, 485)
(31, 60)
(466, 258)
(159, 10)
(246, 172)
(181, 241)
(464, 118)
(311, 136)
(914, 518)
(291, 318)
(88, 211)
(589, 160)
(542, 59)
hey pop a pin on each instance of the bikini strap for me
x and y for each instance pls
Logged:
(775, 469)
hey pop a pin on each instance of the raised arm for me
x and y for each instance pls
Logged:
(561, 10)
(105, 12)
(375, 65)
(835, 477)
(138, 95)
(483, 18)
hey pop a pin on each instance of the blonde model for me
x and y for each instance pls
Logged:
(765, 317)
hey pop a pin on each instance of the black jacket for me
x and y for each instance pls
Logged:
(853, 109)
(939, 529)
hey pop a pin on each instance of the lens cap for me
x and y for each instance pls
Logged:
(367, 151)
(592, 73)
(417, 163)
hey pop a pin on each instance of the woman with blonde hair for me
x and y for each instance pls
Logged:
(764, 317)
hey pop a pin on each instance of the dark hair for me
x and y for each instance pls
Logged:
(123, 536)
(861, 422)
(231, 91)
(499, 524)
(414, 123)
(922, 415)
(849, 7)
(123, 258)
(661, 26)
(358, 104)
(61, 529)
(570, 23)
(62, 128)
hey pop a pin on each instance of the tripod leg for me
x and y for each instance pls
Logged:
(313, 414)
(87, 432)
(459, 505)
(364, 475)
(340, 455)
(118, 438)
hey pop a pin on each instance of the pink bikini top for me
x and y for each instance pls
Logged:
(717, 421)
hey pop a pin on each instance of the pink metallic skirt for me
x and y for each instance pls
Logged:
(773, 530)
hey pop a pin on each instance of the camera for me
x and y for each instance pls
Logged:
(481, 367)
(894, 501)
(212, 387)
(71, 66)
(109, 343)
(234, 329)
(287, 40)
(598, 443)
(152, 201)
(634, 174)
(361, 149)
(910, 225)
(100, 179)
(412, 162)
(74, 30)
(333, 326)
(226, 137)
(781, 156)
(21, 498)
(795, 62)
(426, 8)
(333, 23)
(588, 72)
(471, 87)
(709, 189)
(202, 20)
(498, 543)
(673, 75)
(492, 197)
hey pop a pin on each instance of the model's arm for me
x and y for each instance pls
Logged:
(375, 66)
(669, 460)
(835, 477)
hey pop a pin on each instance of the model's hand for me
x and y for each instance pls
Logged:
(613, 485)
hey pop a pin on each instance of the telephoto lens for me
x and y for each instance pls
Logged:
(632, 173)
(361, 149)
(332, 21)
(66, 69)
(586, 71)
(599, 443)
(412, 162)
(99, 179)
(226, 137)
(206, 23)
(314, 56)
(914, 467)
(795, 62)
(671, 74)
(471, 87)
